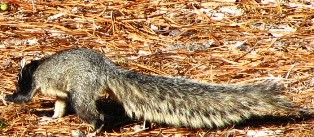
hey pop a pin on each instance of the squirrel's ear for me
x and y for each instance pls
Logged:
(23, 62)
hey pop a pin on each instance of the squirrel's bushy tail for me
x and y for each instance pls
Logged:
(187, 103)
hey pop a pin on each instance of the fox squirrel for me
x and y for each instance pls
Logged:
(78, 76)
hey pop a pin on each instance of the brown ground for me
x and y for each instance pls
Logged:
(202, 41)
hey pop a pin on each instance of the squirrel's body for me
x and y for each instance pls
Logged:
(79, 76)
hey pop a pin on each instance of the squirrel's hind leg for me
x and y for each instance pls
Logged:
(85, 107)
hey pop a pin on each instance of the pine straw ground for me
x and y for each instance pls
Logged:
(215, 42)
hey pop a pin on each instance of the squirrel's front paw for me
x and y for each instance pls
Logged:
(46, 119)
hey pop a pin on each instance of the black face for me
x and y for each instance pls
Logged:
(25, 84)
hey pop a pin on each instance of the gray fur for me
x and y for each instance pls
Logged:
(79, 76)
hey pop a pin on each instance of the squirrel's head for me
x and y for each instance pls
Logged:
(24, 83)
